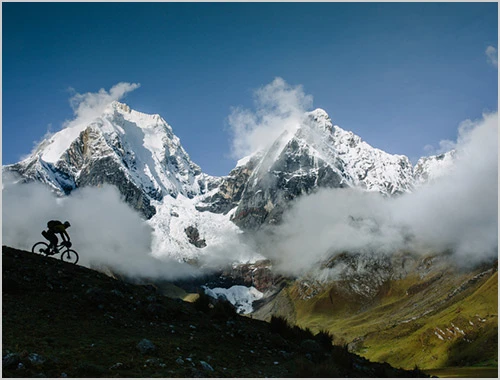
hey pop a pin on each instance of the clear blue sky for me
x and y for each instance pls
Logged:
(400, 75)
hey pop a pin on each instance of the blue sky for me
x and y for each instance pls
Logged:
(400, 75)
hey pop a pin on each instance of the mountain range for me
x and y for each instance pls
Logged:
(365, 300)
(140, 155)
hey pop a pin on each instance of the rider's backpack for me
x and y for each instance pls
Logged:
(52, 223)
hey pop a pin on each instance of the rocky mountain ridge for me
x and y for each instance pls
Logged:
(140, 154)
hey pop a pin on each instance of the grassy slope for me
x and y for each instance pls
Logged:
(389, 334)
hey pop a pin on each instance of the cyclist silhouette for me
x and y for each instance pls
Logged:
(56, 227)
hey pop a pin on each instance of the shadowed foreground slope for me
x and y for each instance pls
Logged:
(65, 320)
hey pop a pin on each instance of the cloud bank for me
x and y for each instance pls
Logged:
(104, 230)
(457, 212)
(278, 107)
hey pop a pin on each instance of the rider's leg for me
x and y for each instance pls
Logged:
(53, 241)
(55, 245)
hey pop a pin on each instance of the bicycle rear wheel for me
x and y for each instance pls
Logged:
(41, 248)
(69, 256)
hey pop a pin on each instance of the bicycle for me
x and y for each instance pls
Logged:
(68, 255)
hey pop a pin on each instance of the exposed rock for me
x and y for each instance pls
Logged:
(258, 274)
(116, 366)
(145, 346)
(155, 362)
(207, 367)
(194, 237)
(10, 360)
(359, 275)
(36, 359)
(356, 344)
(230, 190)
(107, 170)
(283, 174)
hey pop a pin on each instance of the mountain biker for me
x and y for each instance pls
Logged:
(56, 227)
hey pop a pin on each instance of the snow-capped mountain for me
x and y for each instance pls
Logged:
(188, 209)
(136, 152)
(316, 154)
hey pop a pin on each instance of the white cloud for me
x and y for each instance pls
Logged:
(279, 107)
(88, 106)
(492, 54)
(444, 146)
(460, 211)
(104, 230)
(464, 130)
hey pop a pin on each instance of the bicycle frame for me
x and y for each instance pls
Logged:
(60, 247)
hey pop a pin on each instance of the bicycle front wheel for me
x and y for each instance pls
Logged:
(41, 248)
(69, 256)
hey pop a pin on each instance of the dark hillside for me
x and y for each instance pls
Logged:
(62, 320)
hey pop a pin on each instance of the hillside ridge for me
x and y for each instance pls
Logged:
(64, 320)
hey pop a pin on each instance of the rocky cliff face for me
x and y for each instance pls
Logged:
(316, 155)
(230, 190)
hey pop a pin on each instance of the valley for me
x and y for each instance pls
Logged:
(435, 316)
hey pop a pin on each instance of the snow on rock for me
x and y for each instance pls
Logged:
(175, 215)
(372, 168)
(430, 168)
(142, 145)
(316, 154)
(241, 297)
(244, 160)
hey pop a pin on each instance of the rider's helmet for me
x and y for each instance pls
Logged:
(67, 224)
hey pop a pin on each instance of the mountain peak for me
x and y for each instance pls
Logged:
(320, 119)
(120, 106)
(138, 152)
